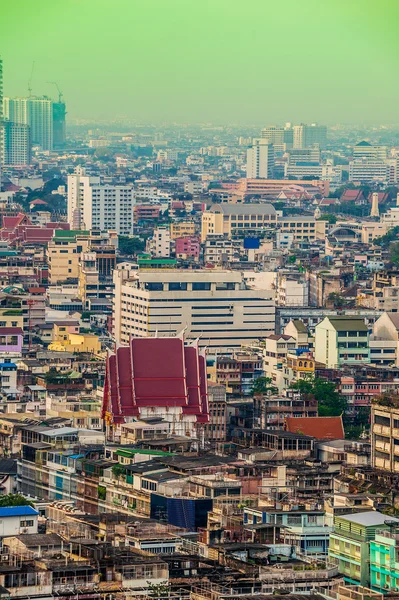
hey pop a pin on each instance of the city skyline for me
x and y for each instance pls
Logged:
(203, 61)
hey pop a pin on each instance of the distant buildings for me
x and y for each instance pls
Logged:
(306, 136)
(33, 111)
(237, 218)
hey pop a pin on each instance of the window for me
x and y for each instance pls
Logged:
(201, 286)
(28, 523)
(177, 286)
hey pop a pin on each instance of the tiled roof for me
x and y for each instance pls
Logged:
(321, 428)
(155, 372)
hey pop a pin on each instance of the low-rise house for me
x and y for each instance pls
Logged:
(15, 520)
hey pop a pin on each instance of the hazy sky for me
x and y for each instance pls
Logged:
(237, 61)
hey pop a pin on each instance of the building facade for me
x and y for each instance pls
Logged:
(214, 306)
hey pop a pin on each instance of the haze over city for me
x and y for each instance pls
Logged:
(222, 61)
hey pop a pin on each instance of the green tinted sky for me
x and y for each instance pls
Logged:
(243, 61)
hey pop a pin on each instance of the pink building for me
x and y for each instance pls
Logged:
(359, 392)
(188, 247)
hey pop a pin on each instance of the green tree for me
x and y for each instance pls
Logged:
(332, 219)
(337, 300)
(394, 253)
(264, 386)
(130, 245)
(14, 500)
(386, 240)
(330, 402)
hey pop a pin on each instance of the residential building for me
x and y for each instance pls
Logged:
(221, 250)
(260, 160)
(63, 254)
(275, 354)
(179, 229)
(187, 248)
(18, 519)
(35, 112)
(305, 136)
(231, 219)
(385, 433)
(95, 206)
(291, 289)
(159, 244)
(216, 429)
(350, 543)
(342, 340)
(214, 306)
(384, 560)
(303, 528)
(17, 147)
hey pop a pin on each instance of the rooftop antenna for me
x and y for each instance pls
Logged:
(30, 80)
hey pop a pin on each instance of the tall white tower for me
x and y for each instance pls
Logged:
(260, 160)
(375, 211)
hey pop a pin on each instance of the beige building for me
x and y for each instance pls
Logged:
(182, 229)
(385, 434)
(373, 230)
(304, 229)
(63, 254)
(229, 219)
(213, 306)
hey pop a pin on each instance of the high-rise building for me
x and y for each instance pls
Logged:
(309, 135)
(59, 133)
(281, 137)
(95, 206)
(260, 160)
(16, 144)
(35, 112)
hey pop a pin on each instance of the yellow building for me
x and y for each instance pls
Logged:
(63, 254)
(228, 219)
(182, 229)
(306, 229)
(77, 342)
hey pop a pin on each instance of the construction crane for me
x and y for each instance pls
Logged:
(30, 80)
(60, 94)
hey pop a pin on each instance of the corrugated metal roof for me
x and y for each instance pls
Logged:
(17, 511)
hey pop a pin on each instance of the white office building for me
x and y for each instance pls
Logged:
(35, 112)
(364, 170)
(260, 160)
(309, 135)
(215, 307)
(95, 206)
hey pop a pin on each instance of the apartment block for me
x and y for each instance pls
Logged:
(342, 340)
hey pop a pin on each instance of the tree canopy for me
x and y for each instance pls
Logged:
(130, 245)
(264, 385)
(14, 500)
(330, 402)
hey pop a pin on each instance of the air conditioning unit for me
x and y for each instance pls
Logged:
(5, 557)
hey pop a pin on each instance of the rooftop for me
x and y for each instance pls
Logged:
(369, 518)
